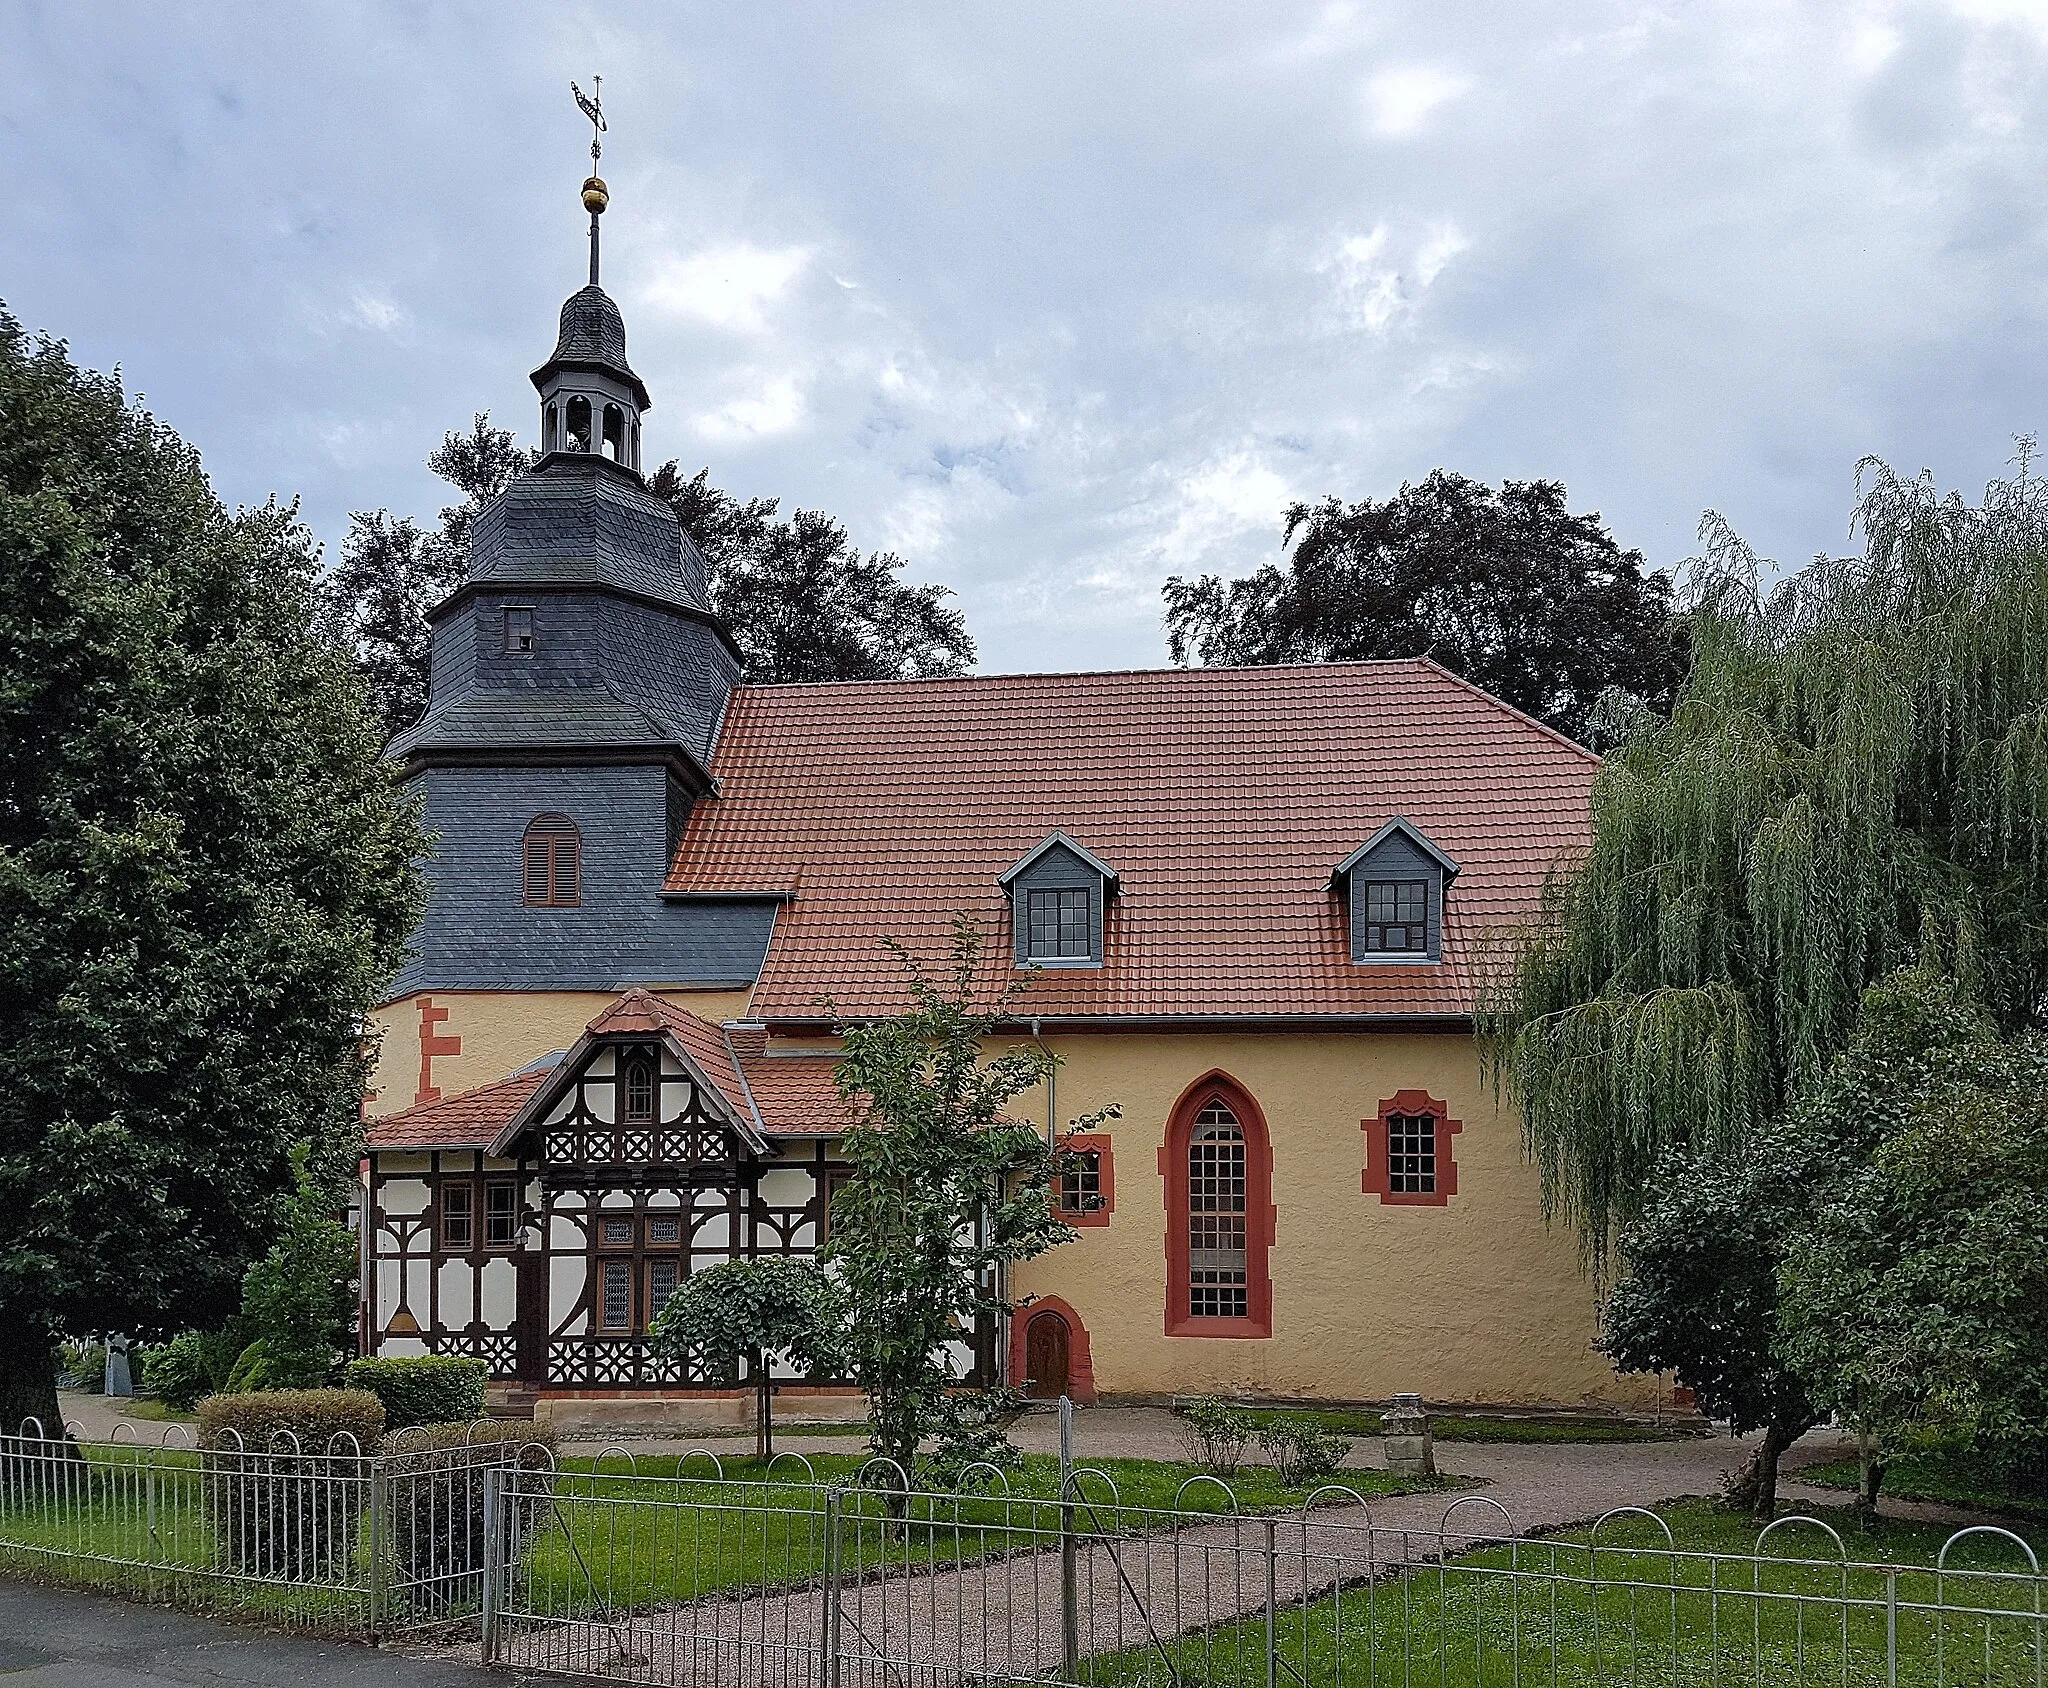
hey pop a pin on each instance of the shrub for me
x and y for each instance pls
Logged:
(287, 1514)
(1215, 1434)
(193, 1364)
(1300, 1449)
(436, 1483)
(83, 1366)
(420, 1389)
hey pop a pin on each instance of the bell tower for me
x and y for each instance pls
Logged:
(579, 678)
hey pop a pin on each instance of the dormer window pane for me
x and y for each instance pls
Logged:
(1397, 915)
(1061, 929)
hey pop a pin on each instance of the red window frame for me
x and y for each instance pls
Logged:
(1260, 1215)
(1376, 1179)
(1088, 1143)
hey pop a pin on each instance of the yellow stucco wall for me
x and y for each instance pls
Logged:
(1472, 1301)
(501, 1031)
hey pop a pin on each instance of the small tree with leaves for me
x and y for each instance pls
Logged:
(745, 1311)
(947, 1189)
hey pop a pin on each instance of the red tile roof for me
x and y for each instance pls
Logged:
(466, 1121)
(1223, 797)
(792, 1094)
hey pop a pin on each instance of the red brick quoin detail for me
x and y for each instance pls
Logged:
(1097, 1144)
(1376, 1180)
(1080, 1362)
(1219, 1086)
(432, 1043)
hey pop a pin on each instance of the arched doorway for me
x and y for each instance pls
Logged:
(1048, 1352)
(1048, 1356)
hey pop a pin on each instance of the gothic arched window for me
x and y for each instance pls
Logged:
(1219, 1215)
(553, 862)
(552, 434)
(639, 1109)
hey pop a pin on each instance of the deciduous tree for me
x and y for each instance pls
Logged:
(1507, 588)
(946, 1190)
(205, 873)
(749, 1310)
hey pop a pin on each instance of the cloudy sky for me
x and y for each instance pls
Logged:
(1058, 300)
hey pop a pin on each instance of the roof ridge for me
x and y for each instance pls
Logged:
(1089, 674)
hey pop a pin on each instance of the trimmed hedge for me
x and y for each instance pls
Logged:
(286, 1514)
(312, 1415)
(435, 1478)
(422, 1388)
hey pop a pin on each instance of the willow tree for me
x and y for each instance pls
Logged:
(1854, 777)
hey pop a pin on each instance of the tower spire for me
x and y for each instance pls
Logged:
(595, 195)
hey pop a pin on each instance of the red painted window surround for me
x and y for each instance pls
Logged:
(1096, 1143)
(1375, 1180)
(1260, 1216)
(1080, 1363)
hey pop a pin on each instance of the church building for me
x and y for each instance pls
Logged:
(1251, 901)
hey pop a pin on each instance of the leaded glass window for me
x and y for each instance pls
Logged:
(1061, 926)
(1218, 1285)
(662, 1278)
(1397, 915)
(639, 1092)
(616, 1311)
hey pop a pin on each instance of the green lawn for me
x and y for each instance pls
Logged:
(1557, 1612)
(1932, 1480)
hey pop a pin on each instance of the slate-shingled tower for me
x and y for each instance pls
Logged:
(578, 681)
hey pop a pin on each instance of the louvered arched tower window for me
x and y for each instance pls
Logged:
(554, 862)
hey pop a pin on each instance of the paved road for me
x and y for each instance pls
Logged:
(56, 1638)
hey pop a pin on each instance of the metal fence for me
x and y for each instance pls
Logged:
(333, 1537)
(872, 1583)
(761, 1585)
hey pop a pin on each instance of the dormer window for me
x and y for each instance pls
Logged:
(1397, 914)
(1393, 886)
(1059, 896)
(518, 631)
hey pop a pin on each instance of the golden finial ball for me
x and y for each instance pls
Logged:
(596, 196)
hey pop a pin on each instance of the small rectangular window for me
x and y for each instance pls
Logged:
(1411, 1154)
(662, 1278)
(501, 1213)
(457, 1216)
(1061, 927)
(1081, 1188)
(518, 631)
(616, 1311)
(615, 1233)
(1397, 915)
(664, 1230)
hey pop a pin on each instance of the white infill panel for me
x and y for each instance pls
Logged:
(458, 1294)
(565, 1289)
(500, 1294)
(786, 1186)
(403, 1195)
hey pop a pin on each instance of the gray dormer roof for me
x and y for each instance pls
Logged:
(592, 336)
(1059, 840)
(1406, 828)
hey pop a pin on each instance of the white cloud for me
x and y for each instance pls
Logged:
(730, 286)
(374, 311)
(1399, 101)
(1231, 495)
(770, 406)
(1373, 290)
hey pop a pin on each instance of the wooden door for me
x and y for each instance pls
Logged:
(530, 1321)
(1046, 1341)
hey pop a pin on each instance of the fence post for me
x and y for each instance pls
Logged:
(1070, 1599)
(828, 1619)
(1891, 1627)
(494, 1557)
(1272, 1609)
(380, 1498)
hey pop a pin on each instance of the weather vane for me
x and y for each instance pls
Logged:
(593, 108)
(596, 196)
